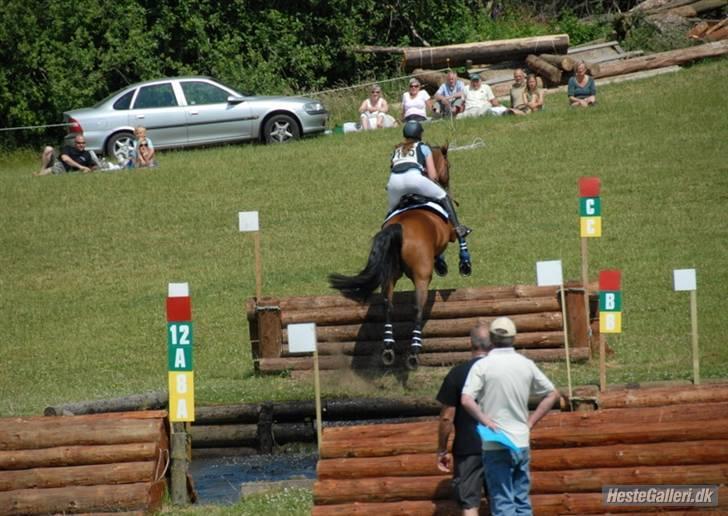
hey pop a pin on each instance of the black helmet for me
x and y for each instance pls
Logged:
(412, 129)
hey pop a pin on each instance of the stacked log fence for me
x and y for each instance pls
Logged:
(80, 464)
(391, 469)
(349, 334)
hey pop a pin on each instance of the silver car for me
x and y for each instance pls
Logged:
(188, 111)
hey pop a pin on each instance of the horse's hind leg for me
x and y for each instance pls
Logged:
(388, 352)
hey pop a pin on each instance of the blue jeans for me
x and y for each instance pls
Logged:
(509, 482)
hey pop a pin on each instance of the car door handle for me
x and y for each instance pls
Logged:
(194, 112)
(140, 117)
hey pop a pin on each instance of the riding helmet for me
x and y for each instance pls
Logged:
(412, 129)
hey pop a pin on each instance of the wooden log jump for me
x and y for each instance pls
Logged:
(89, 463)
(348, 329)
(391, 468)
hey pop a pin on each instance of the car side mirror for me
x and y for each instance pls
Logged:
(234, 99)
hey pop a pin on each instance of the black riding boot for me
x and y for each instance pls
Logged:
(460, 230)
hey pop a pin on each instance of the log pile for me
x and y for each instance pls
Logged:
(350, 334)
(391, 468)
(80, 464)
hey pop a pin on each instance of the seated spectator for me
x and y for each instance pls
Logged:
(480, 100)
(582, 90)
(477, 98)
(450, 96)
(415, 102)
(144, 154)
(373, 109)
(142, 151)
(517, 89)
(71, 159)
(532, 95)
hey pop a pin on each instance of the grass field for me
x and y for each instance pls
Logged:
(85, 260)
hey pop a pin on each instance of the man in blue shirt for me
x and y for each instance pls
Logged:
(450, 96)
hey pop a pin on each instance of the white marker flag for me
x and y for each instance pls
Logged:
(549, 273)
(302, 338)
(248, 221)
(684, 279)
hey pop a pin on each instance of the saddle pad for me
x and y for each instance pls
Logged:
(432, 206)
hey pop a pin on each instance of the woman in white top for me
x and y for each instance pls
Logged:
(415, 102)
(373, 109)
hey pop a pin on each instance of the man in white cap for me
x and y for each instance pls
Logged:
(502, 383)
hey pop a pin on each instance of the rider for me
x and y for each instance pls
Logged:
(413, 171)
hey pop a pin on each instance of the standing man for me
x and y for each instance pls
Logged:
(450, 95)
(502, 385)
(466, 448)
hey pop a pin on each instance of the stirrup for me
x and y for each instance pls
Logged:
(462, 231)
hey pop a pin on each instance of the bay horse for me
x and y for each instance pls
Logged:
(409, 244)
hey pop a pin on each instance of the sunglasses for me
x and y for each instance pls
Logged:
(80, 143)
(414, 85)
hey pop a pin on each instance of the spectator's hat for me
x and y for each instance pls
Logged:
(414, 81)
(474, 77)
(503, 327)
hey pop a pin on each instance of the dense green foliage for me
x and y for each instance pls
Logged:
(85, 259)
(58, 56)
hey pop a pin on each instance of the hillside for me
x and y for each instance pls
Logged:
(86, 260)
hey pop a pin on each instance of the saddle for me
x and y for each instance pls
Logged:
(415, 201)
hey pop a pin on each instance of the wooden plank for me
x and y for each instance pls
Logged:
(87, 475)
(77, 455)
(23, 436)
(329, 362)
(75, 499)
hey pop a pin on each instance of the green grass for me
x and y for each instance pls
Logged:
(85, 260)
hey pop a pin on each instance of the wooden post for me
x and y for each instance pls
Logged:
(179, 464)
(270, 333)
(578, 327)
(694, 325)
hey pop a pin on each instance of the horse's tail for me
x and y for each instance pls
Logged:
(380, 270)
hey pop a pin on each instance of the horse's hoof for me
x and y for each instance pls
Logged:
(466, 268)
(440, 266)
(388, 357)
(413, 361)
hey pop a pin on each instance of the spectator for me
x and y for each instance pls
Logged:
(466, 448)
(517, 89)
(450, 96)
(373, 109)
(142, 150)
(71, 159)
(502, 407)
(415, 102)
(532, 95)
(479, 99)
(582, 90)
(144, 154)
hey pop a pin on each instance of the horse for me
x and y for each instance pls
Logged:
(410, 243)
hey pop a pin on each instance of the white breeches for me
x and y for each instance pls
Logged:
(412, 181)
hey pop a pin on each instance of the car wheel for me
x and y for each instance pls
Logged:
(119, 146)
(280, 129)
